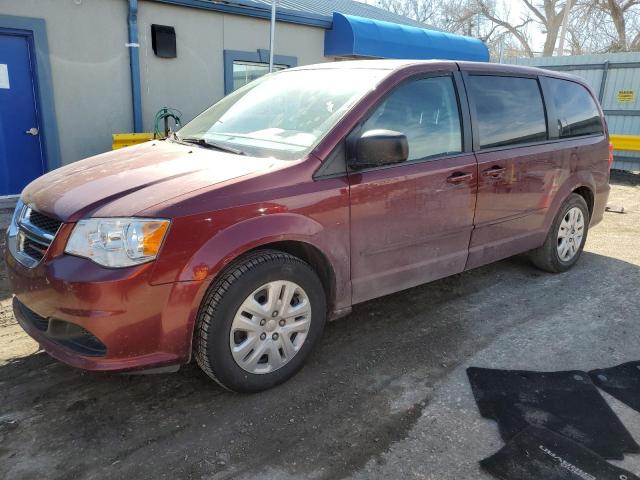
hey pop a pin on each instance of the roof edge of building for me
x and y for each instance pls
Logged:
(255, 10)
(251, 8)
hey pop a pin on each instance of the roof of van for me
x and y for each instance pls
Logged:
(518, 69)
(384, 64)
(369, 64)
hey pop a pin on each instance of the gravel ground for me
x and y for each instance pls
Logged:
(385, 395)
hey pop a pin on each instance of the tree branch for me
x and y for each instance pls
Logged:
(513, 30)
(635, 43)
(536, 12)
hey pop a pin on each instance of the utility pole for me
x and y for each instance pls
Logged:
(563, 30)
(273, 34)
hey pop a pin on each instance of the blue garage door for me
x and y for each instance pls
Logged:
(21, 155)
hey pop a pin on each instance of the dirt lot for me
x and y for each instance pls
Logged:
(385, 395)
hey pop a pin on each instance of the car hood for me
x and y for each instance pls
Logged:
(127, 181)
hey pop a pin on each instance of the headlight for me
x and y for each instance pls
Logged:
(117, 242)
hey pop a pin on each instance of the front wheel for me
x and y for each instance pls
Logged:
(566, 238)
(259, 321)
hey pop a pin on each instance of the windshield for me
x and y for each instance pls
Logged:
(282, 115)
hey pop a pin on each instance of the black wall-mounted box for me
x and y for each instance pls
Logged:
(163, 41)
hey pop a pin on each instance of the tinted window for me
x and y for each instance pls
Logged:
(576, 111)
(509, 110)
(426, 111)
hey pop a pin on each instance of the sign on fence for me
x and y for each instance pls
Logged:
(626, 96)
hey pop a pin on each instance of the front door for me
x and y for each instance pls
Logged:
(411, 222)
(21, 155)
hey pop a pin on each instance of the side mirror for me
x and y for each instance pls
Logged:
(376, 148)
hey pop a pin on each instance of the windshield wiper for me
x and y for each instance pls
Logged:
(206, 144)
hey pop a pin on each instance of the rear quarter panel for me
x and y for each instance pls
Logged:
(586, 160)
(585, 164)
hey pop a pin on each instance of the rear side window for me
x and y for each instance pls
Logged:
(509, 110)
(576, 111)
(426, 111)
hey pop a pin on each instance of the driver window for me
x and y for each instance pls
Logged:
(426, 111)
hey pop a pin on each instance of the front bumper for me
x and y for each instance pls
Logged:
(139, 325)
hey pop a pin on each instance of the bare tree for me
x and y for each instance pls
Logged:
(421, 10)
(601, 26)
(596, 26)
(484, 19)
(549, 13)
(618, 11)
(517, 30)
(590, 29)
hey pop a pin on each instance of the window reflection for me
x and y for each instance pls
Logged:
(246, 72)
(509, 110)
(577, 113)
(426, 111)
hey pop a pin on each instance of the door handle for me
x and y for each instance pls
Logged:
(32, 131)
(493, 172)
(458, 177)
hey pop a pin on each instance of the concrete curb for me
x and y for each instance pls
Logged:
(8, 201)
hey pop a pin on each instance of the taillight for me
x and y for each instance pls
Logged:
(610, 154)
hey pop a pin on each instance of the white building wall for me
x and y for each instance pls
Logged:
(195, 79)
(90, 62)
(89, 66)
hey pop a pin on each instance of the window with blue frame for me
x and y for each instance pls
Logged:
(241, 68)
(245, 72)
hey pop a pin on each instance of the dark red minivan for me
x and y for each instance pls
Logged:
(295, 197)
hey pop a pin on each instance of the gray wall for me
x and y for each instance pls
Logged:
(195, 79)
(90, 62)
(89, 66)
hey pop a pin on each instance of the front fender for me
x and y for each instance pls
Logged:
(233, 241)
(227, 243)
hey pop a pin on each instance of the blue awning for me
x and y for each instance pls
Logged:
(353, 36)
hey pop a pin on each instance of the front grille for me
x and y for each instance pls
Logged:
(33, 248)
(48, 224)
(67, 334)
(36, 231)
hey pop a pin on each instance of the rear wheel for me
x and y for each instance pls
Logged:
(566, 238)
(259, 321)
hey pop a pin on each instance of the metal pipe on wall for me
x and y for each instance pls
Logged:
(134, 62)
(272, 34)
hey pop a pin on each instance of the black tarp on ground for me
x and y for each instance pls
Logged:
(621, 382)
(567, 403)
(539, 454)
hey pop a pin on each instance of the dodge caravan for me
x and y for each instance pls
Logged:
(295, 197)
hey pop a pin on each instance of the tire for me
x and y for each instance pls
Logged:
(222, 312)
(548, 257)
